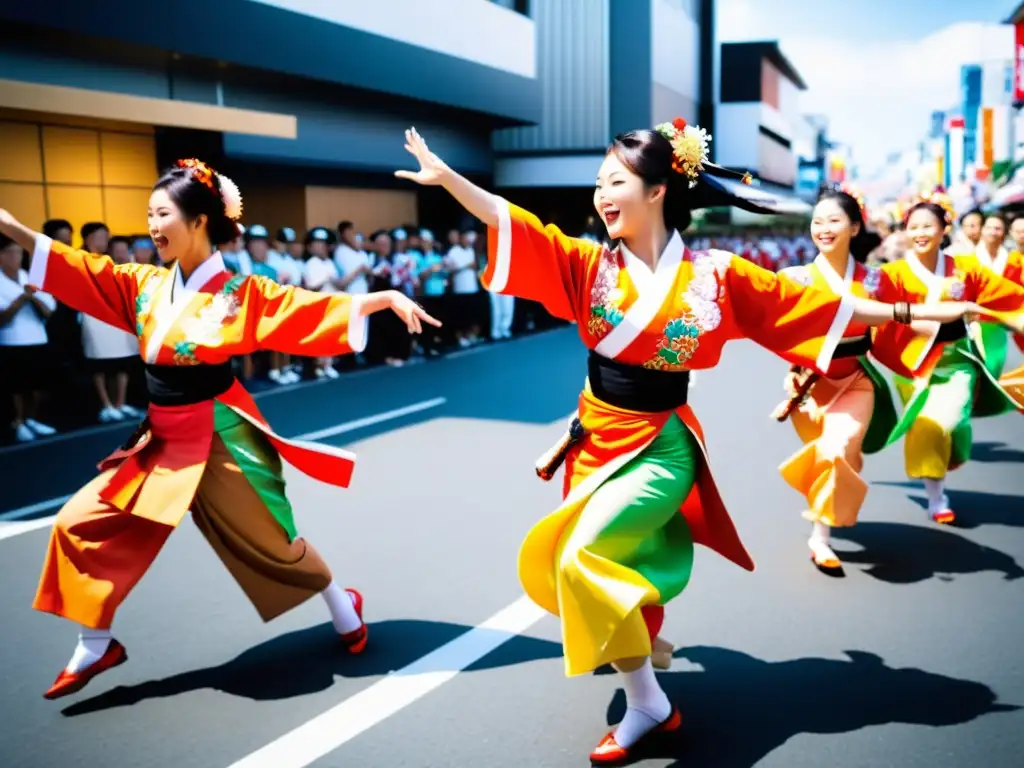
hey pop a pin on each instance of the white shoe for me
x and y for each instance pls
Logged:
(276, 376)
(290, 377)
(331, 373)
(43, 430)
(130, 412)
(110, 414)
(23, 434)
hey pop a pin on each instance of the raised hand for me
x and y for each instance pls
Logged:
(432, 168)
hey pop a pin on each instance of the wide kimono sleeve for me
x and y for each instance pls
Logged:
(535, 262)
(993, 292)
(285, 318)
(89, 283)
(801, 324)
(904, 349)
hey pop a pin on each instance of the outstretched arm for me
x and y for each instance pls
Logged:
(84, 281)
(434, 172)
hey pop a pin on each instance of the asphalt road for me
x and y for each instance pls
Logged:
(914, 659)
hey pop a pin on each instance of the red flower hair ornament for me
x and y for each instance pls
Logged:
(228, 193)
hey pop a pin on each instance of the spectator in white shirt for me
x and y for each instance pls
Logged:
(352, 262)
(24, 355)
(321, 275)
(110, 352)
(461, 264)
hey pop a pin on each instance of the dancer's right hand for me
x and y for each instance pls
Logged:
(432, 168)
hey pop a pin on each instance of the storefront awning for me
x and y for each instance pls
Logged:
(81, 102)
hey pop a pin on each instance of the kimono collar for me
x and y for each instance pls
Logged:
(930, 279)
(668, 263)
(200, 276)
(998, 264)
(838, 286)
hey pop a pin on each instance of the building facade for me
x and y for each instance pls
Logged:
(758, 116)
(303, 102)
(603, 67)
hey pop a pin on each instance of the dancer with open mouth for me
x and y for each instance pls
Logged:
(638, 490)
(204, 445)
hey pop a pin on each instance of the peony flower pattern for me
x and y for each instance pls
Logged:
(605, 297)
(700, 313)
(955, 286)
(871, 282)
(143, 304)
(204, 329)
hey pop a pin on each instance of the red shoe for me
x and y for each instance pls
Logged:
(68, 683)
(944, 516)
(355, 641)
(608, 752)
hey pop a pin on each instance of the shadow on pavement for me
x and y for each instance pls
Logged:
(908, 554)
(973, 508)
(992, 453)
(739, 709)
(270, 671)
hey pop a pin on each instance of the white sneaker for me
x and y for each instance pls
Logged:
(23, 434)
(276, 376)
(331, 373)
(43, 430)
(290, 377)
(320, 373)
(130, 412)
(110, 414)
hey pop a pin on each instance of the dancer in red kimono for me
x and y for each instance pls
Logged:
(639, 493)
(204, 445)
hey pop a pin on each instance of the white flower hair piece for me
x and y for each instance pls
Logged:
(231, 196)
(690, 147)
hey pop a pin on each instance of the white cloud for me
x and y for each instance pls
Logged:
(878, 96)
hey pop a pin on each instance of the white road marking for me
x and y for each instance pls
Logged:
(343, 722)
(9, 528)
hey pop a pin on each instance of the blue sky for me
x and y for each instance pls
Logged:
(876, 68)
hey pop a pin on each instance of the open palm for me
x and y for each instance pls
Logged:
(432, 168)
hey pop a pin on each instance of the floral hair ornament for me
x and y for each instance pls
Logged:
(937, 197)
(689, 147)
(854, 192)
(228, 193)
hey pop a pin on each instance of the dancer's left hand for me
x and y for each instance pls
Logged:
(412, 314)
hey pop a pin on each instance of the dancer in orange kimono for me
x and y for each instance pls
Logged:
(203, 445)
(955, 378)
(1013, 269)
(848, 412)
(650, 310)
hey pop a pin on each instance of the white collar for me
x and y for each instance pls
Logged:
(930, 279)
(200, 276)
(668, 262)
(832, 277)
(998, 264)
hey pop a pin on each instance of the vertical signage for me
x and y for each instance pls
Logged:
(988, 148)
(970, 87)
(1018, 64)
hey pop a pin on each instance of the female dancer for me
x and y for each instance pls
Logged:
(848, 412)
(204, 444)
(650, 310)
(955, 382)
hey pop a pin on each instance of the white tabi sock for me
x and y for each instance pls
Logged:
(937, 499)
(92, 644)
(821, 532)
(647, 706)
(343, 612)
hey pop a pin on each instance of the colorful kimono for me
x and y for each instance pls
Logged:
(638, 491)
(957, 379)
(1013, 382)
(204, 445)
(849, 412)
(993, 338)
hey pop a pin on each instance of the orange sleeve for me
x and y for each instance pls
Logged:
(293, 320)
(801, 324)
(996, 293)
(898, 347)
(89, 283)
(530, 261)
